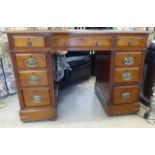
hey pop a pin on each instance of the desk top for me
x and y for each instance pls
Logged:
(76, 31)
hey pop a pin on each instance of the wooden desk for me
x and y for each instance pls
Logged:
(119, 68)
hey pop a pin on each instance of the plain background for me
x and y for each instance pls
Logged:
(80, 13)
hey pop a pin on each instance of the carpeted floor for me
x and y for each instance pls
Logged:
(78, 107)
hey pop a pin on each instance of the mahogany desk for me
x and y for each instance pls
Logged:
(119, 68)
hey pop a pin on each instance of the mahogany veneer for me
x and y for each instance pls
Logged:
(119, 68)
(21, 60)
(28, 95)
(119, 58)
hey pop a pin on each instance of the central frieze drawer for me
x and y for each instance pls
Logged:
(31, 60)
(79, 41)
(125, 94)
(33, 78)
(36, 97)
(28, 41)
(126, 75)
(128, 59)
(131, 41)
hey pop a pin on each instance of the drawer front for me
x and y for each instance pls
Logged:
(131, 41)
(126, 75)
(128, 59)
(78, 41)
(28, 41)
(33, 78)
(127, 94)
(31, 60)
(36, 98)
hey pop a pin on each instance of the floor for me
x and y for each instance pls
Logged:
(78, 107)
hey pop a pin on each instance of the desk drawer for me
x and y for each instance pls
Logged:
(79, 41)
(31, 60)
(125, 94)
(126, 75)
(33, 78)
(36, 97)
(28, 41)
(131, 41)
(128, 59)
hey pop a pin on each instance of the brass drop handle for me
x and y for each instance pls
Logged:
(98, 43)
(127, 76)
(29, 42)
(34, 80)
(126, 95)
(32, 62)
(37, 99)
(131, 42)
(129, 60)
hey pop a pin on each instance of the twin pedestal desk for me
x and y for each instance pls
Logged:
(119, 68)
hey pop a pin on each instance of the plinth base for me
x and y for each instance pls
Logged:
(38, 114)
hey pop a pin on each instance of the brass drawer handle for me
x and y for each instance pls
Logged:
(34, 80)
(129, 60)
(66, 43)
(37, 99)
(126, 95)
(98, 43)
(31, 62)
(131, 42)
(127, 76)
(29, 42)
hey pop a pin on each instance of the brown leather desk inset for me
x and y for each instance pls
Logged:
(119, 68)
